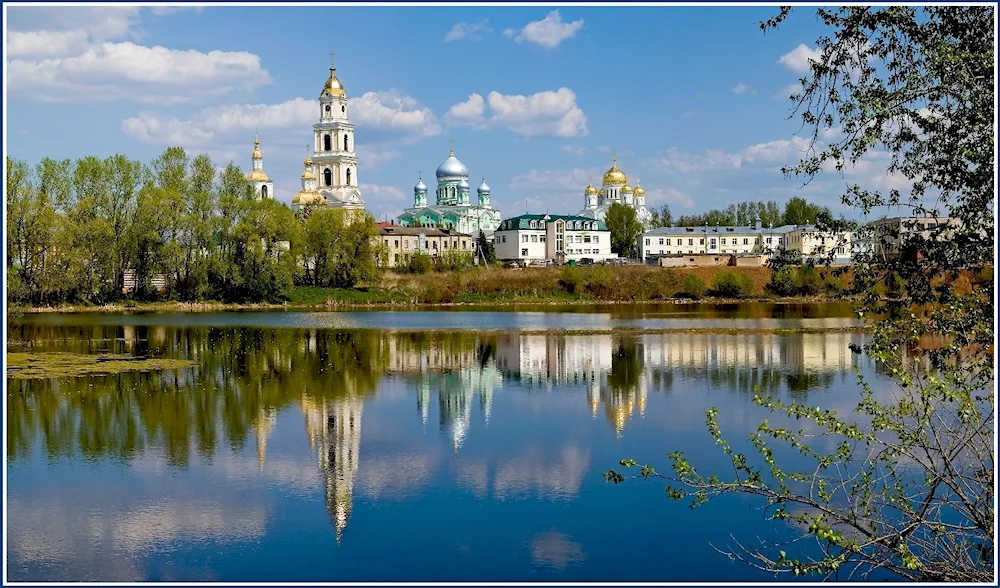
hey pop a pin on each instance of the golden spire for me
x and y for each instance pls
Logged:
(256, 146)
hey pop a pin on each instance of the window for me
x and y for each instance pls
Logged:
(597, 239)
(768, 240)
(534, 238)
(524, 253)
(505, 238)
(542, 238)
(661, 241)
(723, 241)
(701, 241)
(746, 242)
(327, 177)
(579, 238)
(328, 109)
(397, 243)
(524, 238)
(668, 241)
(586, 238)
(395, 256)
(647, 241)
(436, 244)
(263, 191)
(690, 241)
(327, 144)
(348, 176)
(445, 244)
(345, 142)
(464, 244)
(343, 108)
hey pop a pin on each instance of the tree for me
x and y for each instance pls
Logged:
(343, 249)
(486, 251)
(625, 229)
(800, 212)
(908, 487)
(666, 219)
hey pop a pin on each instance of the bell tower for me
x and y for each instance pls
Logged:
(334, 157)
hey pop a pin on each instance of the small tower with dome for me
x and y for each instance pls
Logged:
(263, 187)
(483, 191)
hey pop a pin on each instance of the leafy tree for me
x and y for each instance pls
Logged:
(487, 252)
(907, 488)
(625, 229)
(342, 247)
(798, 211)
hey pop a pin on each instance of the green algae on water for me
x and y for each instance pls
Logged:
(32, 366)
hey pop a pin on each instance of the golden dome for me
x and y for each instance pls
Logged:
(333, 85)
(308, 197)
(626, 189)
(256, 149)
(639, 191)
(258, 175)
(615, 175)
(308, 175)
(591, 190)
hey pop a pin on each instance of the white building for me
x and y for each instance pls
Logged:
(332, 171)
(614, 189)
(748, 240)
(534, 237)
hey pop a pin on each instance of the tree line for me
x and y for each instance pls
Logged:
(798, 211)
(80, 231)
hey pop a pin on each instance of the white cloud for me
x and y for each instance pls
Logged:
(544, 114)
(165, 10)
(574, 150)
(548, 32)
(742, 88)
(780, 152)
(78, 54)
(472, 31)
(672, 196)
(788, 91)
(571, 181)
(372, 157)
(389, 112)
(797, 59)
(381, 193)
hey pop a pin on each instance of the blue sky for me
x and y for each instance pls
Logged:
(692, 99)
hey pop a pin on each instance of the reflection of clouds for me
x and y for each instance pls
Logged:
(80, 542)
(555, 549)
(474, 475)
(154, 525)
(397, 476)
(535, 469)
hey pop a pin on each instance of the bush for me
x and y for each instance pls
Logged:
(732, 285)
(601, 283)
(572, 279)
(692, 287)
(809, 281)
(419, 263)
(454, 261)
(783, 282)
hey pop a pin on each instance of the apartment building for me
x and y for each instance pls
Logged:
(402, 242)
(532, 237)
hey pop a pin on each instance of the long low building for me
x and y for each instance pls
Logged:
(744, 241)
(559, 237)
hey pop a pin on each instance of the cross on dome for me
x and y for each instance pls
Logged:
(332, 65)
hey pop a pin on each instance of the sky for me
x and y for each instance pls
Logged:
(692, 100)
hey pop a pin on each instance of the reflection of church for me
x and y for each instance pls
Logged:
(334, 431)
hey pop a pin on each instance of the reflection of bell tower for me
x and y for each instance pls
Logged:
(423, 400)
(455, 408)
(343, 428)
(262, 429)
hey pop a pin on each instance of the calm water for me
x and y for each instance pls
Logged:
(322, 447)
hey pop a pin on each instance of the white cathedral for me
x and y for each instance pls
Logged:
(330, 177)
(453, 208)
(614, 189)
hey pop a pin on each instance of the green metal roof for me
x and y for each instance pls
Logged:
(522, 222)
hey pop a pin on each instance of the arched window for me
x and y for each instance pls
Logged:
(327, 146)
(263, 191)
(343, 108)
(348, 176)
(328, 177)
(345, 142)
(328, 109)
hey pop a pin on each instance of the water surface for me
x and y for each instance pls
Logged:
(362, 446)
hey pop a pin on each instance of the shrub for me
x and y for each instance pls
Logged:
(454, 261)
(732, 285)
(601, 283)
(419, 263)
(809, 281)
(692, 287)
(572, 279)
(783, 282)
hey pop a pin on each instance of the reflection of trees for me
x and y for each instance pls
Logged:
(625, 384)
(243, 378)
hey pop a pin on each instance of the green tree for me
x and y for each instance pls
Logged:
(907, 488)
(625, 229)
(798, 211)
(343, 249)
(485, 249)
(666, 219)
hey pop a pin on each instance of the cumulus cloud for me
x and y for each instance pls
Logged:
(671, 196)
(544, 114)
(471, 31)
(797, 60)
(788, 91)
(389, 112)
(742, 88)
(574, 150)
(80, 54)
(779, 151)
(549, 32)
(382, 193)
(567, 181)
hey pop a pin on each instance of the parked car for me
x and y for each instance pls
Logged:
(586, 261)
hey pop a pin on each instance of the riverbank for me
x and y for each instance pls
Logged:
(566, 286)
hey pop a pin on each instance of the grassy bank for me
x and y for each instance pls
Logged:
(495, 287)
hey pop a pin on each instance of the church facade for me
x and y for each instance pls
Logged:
(452, 208)
(614, 189)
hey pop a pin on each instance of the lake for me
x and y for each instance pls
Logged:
(431, 445)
